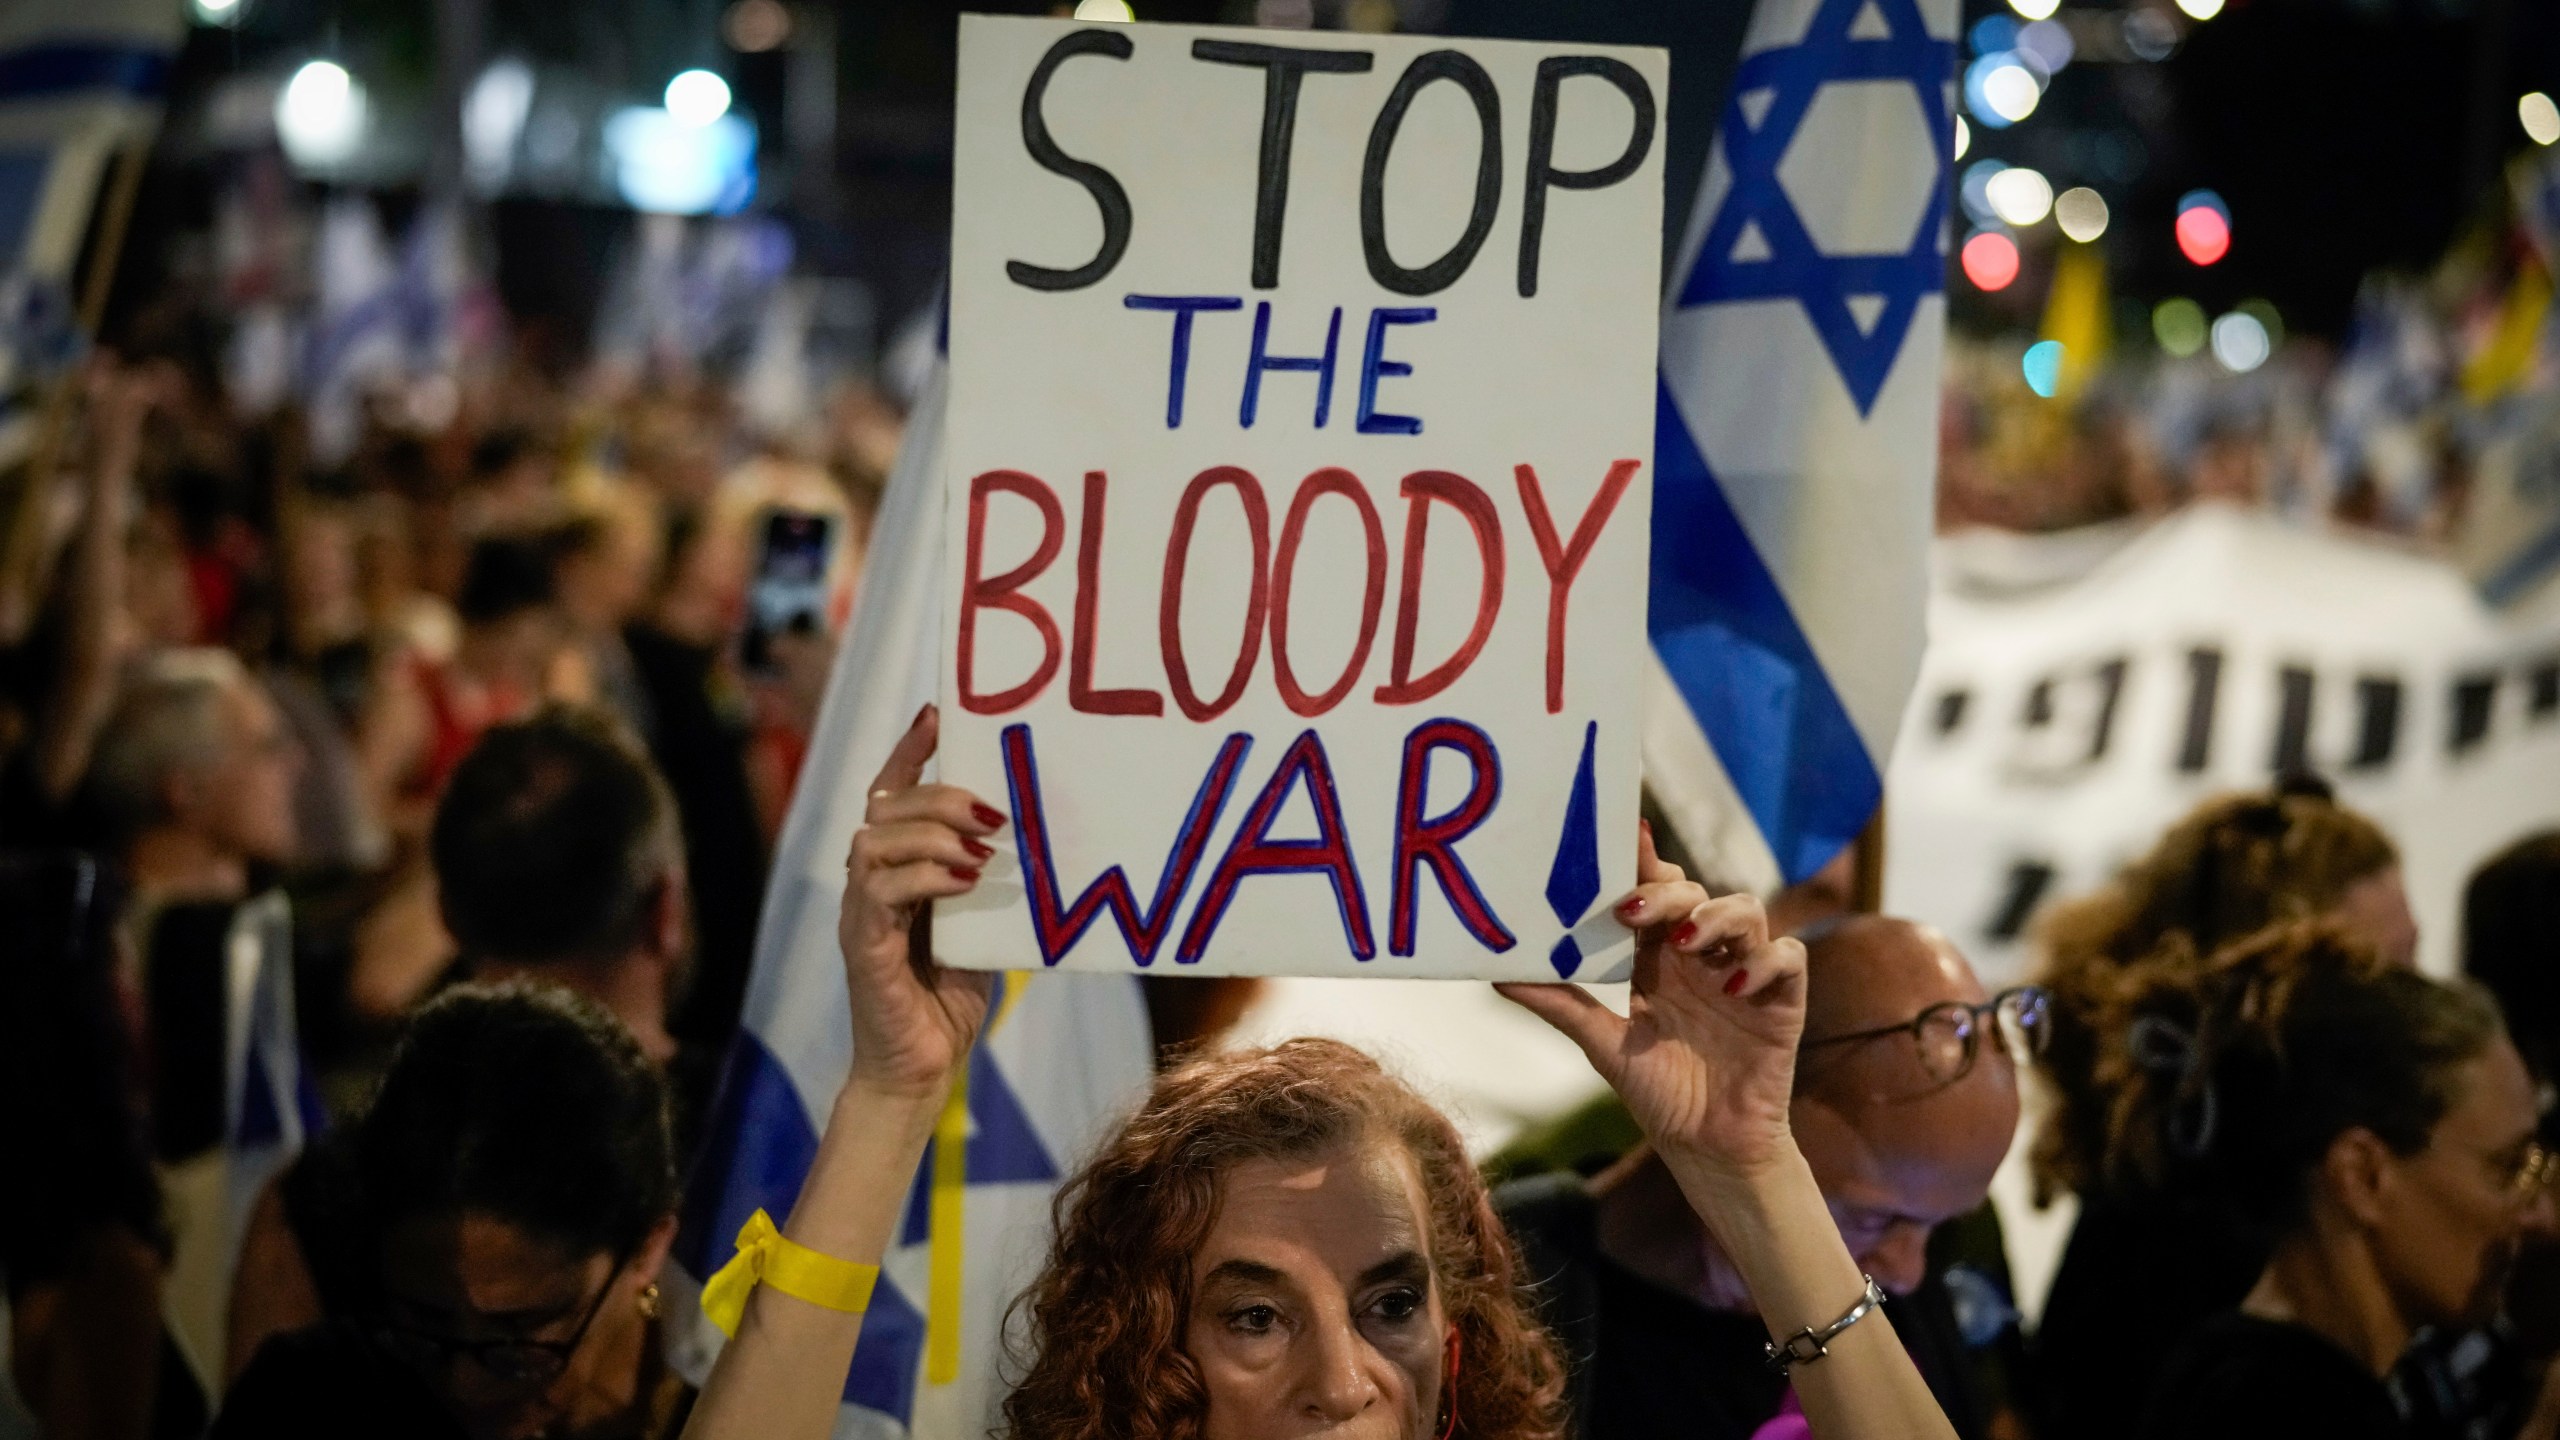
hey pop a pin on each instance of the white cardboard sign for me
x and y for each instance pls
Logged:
(1299, 472)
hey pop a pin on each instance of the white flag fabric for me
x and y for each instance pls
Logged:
(1064, 1056)
(1796, 445)
(270, 1109)
(2084, 690)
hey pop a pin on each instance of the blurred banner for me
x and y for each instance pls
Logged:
(1063, 1057)
(2084, 690)
(1796, 444)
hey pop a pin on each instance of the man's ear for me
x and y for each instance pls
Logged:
(2359, 1172)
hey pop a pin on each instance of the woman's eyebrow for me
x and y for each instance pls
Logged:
(1243, 1272)
(1403, 1265)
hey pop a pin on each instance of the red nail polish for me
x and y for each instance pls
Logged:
(978, 848)
(987, 814)
(961, 872)
(1632, 906)
(1733, 983)
(1687, 932)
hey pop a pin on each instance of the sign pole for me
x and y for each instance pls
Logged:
(1866, 885)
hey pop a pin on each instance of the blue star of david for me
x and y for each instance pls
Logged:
(1793, 267)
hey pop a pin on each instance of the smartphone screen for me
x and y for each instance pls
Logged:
(789, 592)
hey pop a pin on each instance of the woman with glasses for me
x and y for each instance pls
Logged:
(512, 1190)
(2373, 1129)
(2141, 1266)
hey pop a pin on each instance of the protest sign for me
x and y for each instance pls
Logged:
(1299, 471)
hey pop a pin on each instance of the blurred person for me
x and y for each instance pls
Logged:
(684, 655)
(83, 1251)
(2372, 1130)
(1287, 1241)
(1906, 1099)
(2511, 943)
(512, 633)
(605, 559)
(556, 860)
(2139, 1268)
(66, 671)
(511, 1192)
(191, 783)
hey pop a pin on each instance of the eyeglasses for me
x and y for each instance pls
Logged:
(1948, 1037)
(509, 1362)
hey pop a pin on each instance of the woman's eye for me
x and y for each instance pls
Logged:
(1253, 1319)
(1397, 1306)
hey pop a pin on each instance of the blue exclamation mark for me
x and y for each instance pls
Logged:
(1575, 881)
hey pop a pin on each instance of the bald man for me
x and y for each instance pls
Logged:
(1906, 1100)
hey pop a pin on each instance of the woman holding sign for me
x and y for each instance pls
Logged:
(1288, 1242)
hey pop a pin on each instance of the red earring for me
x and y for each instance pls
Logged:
(1449, 1387)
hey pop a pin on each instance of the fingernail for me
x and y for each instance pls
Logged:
(1733, 983)
(960, 872)
(920, 714)
(1682, 936)
(975, 847)
(987, 814)
(1632, 906)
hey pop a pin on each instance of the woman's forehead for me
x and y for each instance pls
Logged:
(1347, 1207)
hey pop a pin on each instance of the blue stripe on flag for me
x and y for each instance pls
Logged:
(759, 1147)
(72, 67)
(1725, 633)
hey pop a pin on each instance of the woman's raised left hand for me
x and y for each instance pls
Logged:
(1705, 1056)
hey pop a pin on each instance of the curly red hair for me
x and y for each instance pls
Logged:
(1099, 1335)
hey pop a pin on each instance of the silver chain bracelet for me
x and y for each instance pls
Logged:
(1810, 1344)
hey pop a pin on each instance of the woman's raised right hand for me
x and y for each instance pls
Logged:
(913, 1019)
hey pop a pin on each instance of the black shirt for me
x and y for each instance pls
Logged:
(2237, 1376)
(1645, 1362)
(2137, 1275)
(330, 1381)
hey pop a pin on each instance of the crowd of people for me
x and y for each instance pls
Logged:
(457, 744)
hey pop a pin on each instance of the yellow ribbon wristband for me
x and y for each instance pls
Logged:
(765, 1257)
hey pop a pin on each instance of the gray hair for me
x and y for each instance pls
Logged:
(167, 719)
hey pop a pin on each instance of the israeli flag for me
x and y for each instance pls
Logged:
(1064, 1057)
(271, 1109)
(80, 80)
(1796, 444)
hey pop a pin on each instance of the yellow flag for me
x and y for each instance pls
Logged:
(2510, 351)
(2076, 316)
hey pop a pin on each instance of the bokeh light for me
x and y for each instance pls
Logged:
(697, 97)
(2204, 227)
(2268, 320)
(1973, 191)
(2081, 212)
(2178, 324)
(2019, 196)
(2201, 9)
(2240, 342)
(2541, 117)
(2048, 43)
(2036, 9)
(2011, 91)
(2043, 367)
(1964, 137)
(215, 12)
(1990, 260)
(1994, 31)
(1117, 11)
(320, 114)
(754, 26)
